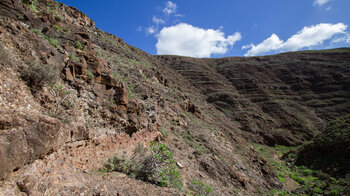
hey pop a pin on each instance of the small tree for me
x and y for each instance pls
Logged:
(160, 167)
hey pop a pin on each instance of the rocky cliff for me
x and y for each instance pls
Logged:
(73, 96)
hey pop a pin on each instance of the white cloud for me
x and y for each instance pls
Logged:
(179, 15)
(308, 37)
(157, 20)
(314, 35)
(170, 8)
(320, 2)
(271, 43)
(344, 39)
(187, 40)
(151, 30)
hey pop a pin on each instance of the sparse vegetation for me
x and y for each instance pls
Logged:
(326, 151)
(130, 90)
(60, 94)
(89, 75)
(108, 103)
(37, 75)
(120, 77)
(78, 45)
(201, 188)
(59, 18)
(58, 28)
(312, 182)
(32, 5)
(164, 132)
(74, 58)
(157, 167)
(54, 42)
(191, 141)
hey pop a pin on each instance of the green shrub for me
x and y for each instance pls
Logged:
(39, 32)
(158, 167)
(334, 192)
(78, 45)
(74, 58)
(295, 176)
(89, 75)
(54, 42)
(201, 188)
(282, 179)
(121, 165)
(307, 172)
(58, 28)
(33, 8)
(317, 190)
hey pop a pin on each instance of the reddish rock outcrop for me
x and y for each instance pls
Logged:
(25, 137)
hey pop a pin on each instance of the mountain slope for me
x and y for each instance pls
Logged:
(73, 96)
(282, 99)
(329, 151)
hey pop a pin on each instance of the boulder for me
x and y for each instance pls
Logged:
(25, 137)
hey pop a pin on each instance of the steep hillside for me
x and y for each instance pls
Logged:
(283, 99)
(80, 109)
(107, 100)
(330, 150)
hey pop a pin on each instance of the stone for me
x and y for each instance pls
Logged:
(68, 75)
(179, 165)
(20, 145)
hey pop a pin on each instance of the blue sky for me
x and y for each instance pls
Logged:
(208, 28)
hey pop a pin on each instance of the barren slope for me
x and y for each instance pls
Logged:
(281, 99)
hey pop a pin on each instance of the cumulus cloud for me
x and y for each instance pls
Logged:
(308, 37)
(170, 8)
(271, 43)
(187, 40)
(320, 2)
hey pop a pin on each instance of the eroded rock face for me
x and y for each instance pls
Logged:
(25, 137)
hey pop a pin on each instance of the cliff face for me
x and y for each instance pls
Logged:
(73, 96)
